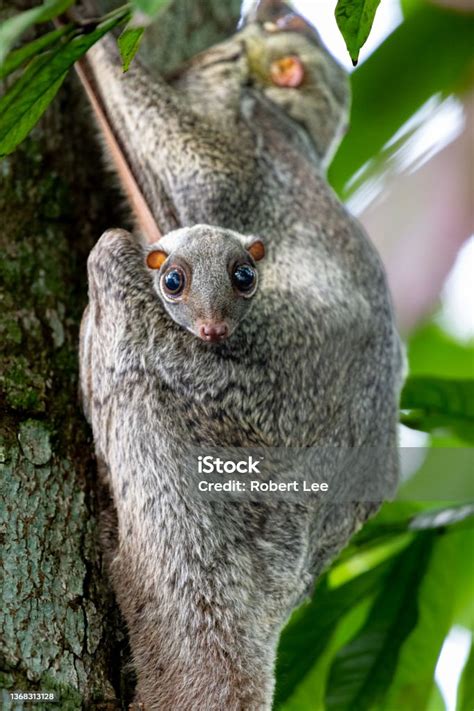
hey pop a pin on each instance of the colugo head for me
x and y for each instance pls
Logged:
(206, 278)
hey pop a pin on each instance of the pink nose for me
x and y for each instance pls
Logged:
(214, 331)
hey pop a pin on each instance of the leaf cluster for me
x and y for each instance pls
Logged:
(49, 57)
(372, 633)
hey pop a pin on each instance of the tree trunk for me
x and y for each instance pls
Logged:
(60, 630)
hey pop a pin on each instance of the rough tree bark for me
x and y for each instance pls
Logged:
(59, 627)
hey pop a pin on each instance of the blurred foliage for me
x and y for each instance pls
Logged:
(429, 54)
(149, 7)
(20, 56)
(432, 351)
(13, 28)
(439, 403)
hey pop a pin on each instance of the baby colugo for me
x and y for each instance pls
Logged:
(206, 277)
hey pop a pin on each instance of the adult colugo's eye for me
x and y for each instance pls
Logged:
(174, 281)
(244, 277)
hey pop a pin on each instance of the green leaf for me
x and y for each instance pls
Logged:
(13, 28)
(149, 7)
(18, 57)
(307, 635)
(309, 694)
(446, 590)
(28, 98)
(355, 19)
(31, 112)
(362, 670)
(432, 350)
(439, 403)
(465, 700)
(129, 42)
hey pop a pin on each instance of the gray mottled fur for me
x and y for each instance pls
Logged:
(205, 589)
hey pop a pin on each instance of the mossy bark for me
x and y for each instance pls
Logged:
(59, 627)
(60, 630)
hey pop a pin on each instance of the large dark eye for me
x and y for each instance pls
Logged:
(244, 277)
(174, 281)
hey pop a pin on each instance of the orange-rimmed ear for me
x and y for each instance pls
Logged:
(257, 250)
(156, 259)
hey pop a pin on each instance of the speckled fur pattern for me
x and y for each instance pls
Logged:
(206, 588)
